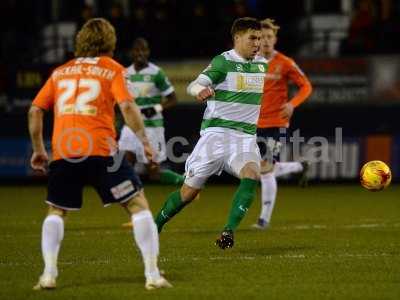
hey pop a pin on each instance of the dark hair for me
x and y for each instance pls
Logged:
(244, 24)
(140, 42)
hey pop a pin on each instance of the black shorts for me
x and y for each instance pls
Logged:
(67, 179)
(269, 140)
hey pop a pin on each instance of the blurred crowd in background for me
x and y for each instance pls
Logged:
(43, 30)
(348, 48)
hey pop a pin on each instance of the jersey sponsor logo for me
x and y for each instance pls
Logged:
(250, 83)
(147, 78)
(261, 68)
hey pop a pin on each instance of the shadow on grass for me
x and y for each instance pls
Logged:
(103, 281)
(115, 281)
(94, 228)
(197, 231)
(277, 250)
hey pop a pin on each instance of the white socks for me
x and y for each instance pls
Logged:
(144, 230)
(284, 168)
(52, 235)
(269, 188)
(146, 237)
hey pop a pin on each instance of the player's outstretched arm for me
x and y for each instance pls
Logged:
(134, 121)
(39, 157)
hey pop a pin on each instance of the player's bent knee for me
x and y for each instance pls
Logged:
(56, 211)
(189, 193)
(130, 157)
(137, 203)
(266, 167)
(154, 171)
(250, 170)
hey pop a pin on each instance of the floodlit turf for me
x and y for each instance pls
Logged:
(326, 242)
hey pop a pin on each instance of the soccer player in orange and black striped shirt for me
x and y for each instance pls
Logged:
(276, 111)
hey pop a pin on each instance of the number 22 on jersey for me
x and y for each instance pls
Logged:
(78, 103)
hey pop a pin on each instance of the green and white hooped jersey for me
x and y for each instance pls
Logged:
(148, 86)
(238, 86)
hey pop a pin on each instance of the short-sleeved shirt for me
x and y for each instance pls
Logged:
(238, 85)
(82, 94)
(281, 71)
(148, 86)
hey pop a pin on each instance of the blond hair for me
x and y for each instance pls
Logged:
(270, 24)
(96, 36)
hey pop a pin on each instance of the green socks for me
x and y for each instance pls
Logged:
(241, 202)
(172, 206)
(170, 177)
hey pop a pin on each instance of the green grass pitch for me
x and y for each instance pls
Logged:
(326, 242)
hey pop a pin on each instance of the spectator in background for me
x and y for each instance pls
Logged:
(389, 26)
(361, 37)
(117, 19)
(87, 12)
(228, 13)
(198, 20)
(162, 17)
(138, 24)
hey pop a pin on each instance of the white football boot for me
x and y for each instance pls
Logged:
(45, 282)
(261, 224)
(152, 284)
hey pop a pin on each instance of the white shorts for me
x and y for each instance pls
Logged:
(128, 141)
(220, 151)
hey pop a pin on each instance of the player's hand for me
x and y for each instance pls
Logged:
(148, 112)
(39, 161)
(205, 94)
(287, 110)
(148, 152)
(153, 165)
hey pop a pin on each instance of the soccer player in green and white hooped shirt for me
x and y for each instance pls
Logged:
(232, 85)
(148, 84)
